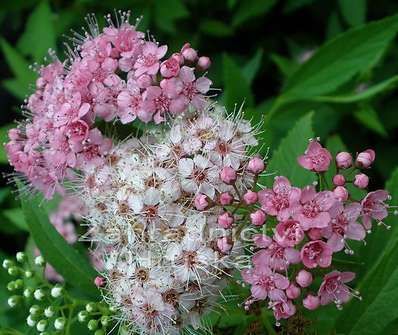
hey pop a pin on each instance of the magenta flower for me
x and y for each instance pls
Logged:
(344, 226)
(316, 158)
(283, 309)
(148, 61)
(316, 253)
(314, 212)
(333, 288)
(276, 257)
(373, 207)
(265, 283)
(288, 233)
(282, 201)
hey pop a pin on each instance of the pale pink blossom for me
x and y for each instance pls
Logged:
(334, 289)
(374, 207)
(276, 257)
(288, 233)
(316, 253)
(148, 61)
(316, 158)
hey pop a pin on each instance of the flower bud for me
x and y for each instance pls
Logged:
(7, 264)
(226, 199)
(28, 292)
(311, 302)
(224, 244)
(91, 307)
(21, 257)
(170, 67)
(366, 158)
(341, 193)
(343, 160)
(82, 316)
(49, 311)
(203, 63)
(258, 217)
(41, 325)
(201, 202)
(13, 271)
(11, 286)
(35, 310)
(293, 291)
(59, 323)
(250, 197)
(189, 53)
(30, 322)
(339, 180)
(304, 278)
(92, 325)
(228, 175)
(225, 220)
(105, 320)
(256, 165)
(39, 261)
(39, 294)
(13, 301)
(361, 180)
(28, 274)
(56, 291)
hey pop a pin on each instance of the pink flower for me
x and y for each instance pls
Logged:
(304, 278)
(288, 233)
(265, 283)
(339, 180)
(262, 241)
(333, 288)
(361, 180)
(224, 244)
(226, 199)
(316, 158)
(316, 253)
(189, 53)
(130, 103)
(156, 104)
(276, 257)
(343, 160)
(228, 175)
(366, 158)
(250, 197)
(99, 281)
(344, 226)
(283, 309)
(282, 200)
(293, 292)
(170, 67)
(225, 220)
(201, 202)
(148, 61)
(203, 63)
(373, 207)
(314, 212)
(77, 131)
(311, 302)
(256, 165)
(341, 193)
(258, 217)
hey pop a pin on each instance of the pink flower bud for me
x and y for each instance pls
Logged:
(258, 217)
(304, 278)
(225, 220)
(99, 281)
(341, 193)
(228, 175)
(311, 302)
(226, 199)
(344, 160)
(203, 63)
(170, 67)
(361, 180)
(144, 81)
(256, 165)
(201, 202)
(339, 180)
(293, 292)
(366, 158)
(189, 53)
(314, 234)
(250, 197)
(224, 244)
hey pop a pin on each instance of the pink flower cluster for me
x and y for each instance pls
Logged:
(112, 75)
(310, 225)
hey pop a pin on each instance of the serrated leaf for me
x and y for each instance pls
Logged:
(368, 117)
(237, 88)
(249, 9)
(252, 66)
(66, 260)
(353, 11)
(39, 34)
(339, 60)
(284, 160)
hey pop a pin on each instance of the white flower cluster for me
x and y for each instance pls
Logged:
(163, 266)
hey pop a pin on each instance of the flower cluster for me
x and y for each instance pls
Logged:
(166, 261)
(310, 225)
(113, 74)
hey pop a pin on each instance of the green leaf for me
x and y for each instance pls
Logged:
(237, 88)
(16, 216)
(252, 66)
(334, 26)
(248, 9)
(292, 5)
(365, 94)
(66, 260)
(339, 60)
(167, 12)
(3, 139)
(284, 159)
(379, 288)
(216, 28)
(286, 66)
(353, 11)
(39, 33)
(367, 115)
(23, 75)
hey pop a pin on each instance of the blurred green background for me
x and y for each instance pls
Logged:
(256, 46)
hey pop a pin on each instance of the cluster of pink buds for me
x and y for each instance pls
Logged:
(111, 75)
(309, 226)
